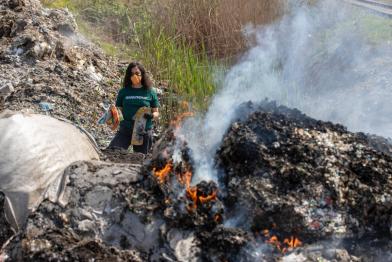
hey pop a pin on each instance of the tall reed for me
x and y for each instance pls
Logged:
(215, 24)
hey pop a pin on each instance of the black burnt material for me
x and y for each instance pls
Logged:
(288, 174)
(184, 208)
(223, 243)
(306, 177)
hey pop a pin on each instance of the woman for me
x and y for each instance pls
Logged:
(137, 92)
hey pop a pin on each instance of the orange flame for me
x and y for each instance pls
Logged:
(192, 192)
(161, 175)
(292, 242)
(266, 232)
(288, 243)
(218, 218)
(275, 241)
(208, 198)
(185, 179)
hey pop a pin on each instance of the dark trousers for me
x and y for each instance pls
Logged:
(123, 138)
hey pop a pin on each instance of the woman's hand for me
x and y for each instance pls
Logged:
(155, 113)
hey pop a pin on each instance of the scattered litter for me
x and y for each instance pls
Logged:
(112, 117)
(45, 106)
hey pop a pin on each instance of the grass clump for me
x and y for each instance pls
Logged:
(377, 29)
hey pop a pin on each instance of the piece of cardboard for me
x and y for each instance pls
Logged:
(139, 126)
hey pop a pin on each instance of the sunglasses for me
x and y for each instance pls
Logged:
(137, 73)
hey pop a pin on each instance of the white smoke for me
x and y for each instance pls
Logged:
(319, 59)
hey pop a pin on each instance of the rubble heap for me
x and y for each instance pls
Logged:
(96, 218)
(290, 182)
(296, 176)
(6, 231)
(292, 188)
(48, 67)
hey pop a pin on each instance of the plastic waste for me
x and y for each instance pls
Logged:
(112, 117)
(35, 149)
(45, 106)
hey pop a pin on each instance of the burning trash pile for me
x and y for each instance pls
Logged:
(289, 182)
(291, 188)
(186, 204)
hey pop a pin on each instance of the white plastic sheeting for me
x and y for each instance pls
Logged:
(34, 151)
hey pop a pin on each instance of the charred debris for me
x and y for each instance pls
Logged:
(289, 182)
(291, 188)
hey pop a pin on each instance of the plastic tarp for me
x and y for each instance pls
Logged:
(34, 151)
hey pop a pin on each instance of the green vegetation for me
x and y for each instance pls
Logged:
(59, 4)
(377, 29)
(184, 47)
(187, 73)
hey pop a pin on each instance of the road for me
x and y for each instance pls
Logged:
(383, 7)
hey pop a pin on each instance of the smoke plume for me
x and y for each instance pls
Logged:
(323, 59)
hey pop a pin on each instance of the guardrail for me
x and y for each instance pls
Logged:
(379, 7)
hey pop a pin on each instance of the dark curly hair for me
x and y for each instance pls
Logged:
(146, 81)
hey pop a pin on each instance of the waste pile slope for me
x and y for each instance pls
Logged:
(296, 176)
(303, 166)
(94, 219)
(286, 182)
(48, 67)
(289, 187)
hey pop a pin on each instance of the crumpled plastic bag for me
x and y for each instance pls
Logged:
(35, 149)
(112, 117)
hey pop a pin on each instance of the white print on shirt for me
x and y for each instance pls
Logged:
(137, 97)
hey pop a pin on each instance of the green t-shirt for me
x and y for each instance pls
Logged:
(131, 99)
